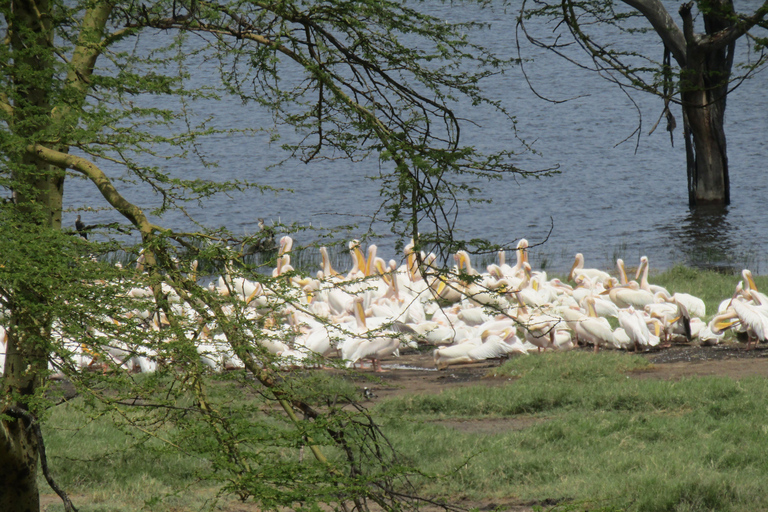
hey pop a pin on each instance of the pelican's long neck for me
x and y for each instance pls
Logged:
(578, 264)
(623, 279)
(286, 245)
(369, 265)
(591, 312)
(358, 260)
(360, 315)
(522, 252)
(327, 268)
(749, 282)
(644, 279)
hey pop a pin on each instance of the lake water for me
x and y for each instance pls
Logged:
(610, 199)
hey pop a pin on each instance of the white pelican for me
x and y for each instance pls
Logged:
(327, 271)
(642, 273)
(445, 290)
(594, 329)
(595, 275)
(603, 307)
(750, 288)
(539, 329)
(315, 339)
(368, 342)
(527, 292)
(464, 264)
(374, 349)
(488, 346)
(369, 260)
(634, 324)
(706, 337)
(473, 315)
(455, 354)
(358, 261)
(435, 333)
(572, 316)
(753, 318)
(694, 305)
(630, 295)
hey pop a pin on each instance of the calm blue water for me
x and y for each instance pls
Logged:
(611, 199)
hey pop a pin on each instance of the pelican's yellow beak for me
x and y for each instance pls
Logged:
(573, 268)
(252, 296)
(752, 285)
(410, 260)
(725, 324)
(360, 258)
(382, 271)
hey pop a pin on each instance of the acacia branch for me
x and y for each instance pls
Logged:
(89, 48)
(64, 160)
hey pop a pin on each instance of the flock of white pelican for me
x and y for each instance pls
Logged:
(378, 308)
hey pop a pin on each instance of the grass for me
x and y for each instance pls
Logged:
(573, 429)
(110, 464)
(115, 469)
(600, 437)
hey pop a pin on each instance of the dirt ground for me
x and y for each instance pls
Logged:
(414, 372)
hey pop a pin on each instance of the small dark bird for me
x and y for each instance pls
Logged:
(80, 227)
(265, 241)
(368, 394)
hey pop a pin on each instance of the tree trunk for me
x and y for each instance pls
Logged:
(18, 444)
(37, 204)
(706, 156)
(703, 89)
(18, 468)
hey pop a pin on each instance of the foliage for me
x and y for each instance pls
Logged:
(99, 91)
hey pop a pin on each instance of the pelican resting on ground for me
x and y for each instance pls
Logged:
(488, 346)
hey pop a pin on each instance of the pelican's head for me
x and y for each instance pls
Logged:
(578, 263)
(643, 264)
(749, 282)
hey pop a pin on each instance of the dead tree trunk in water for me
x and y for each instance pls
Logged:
(703, 89)
(705, 62)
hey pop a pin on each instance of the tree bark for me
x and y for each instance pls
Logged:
(37, 200)
(704, 84)
(25, 364)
